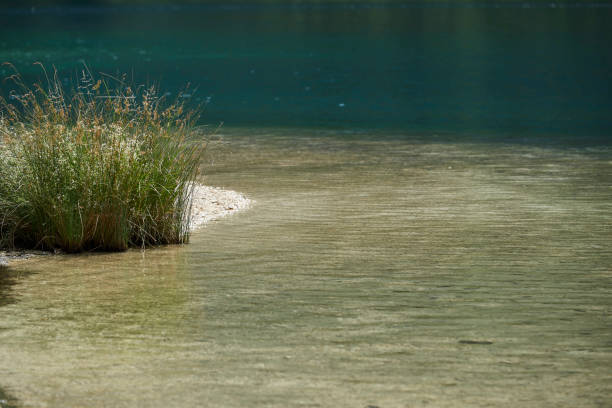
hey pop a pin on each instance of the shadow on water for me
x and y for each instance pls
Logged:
(8, 279)
(6, 400)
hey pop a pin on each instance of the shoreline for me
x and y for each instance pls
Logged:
(212, 203)
(208, 204)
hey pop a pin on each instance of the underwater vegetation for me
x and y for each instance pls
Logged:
(103, 166)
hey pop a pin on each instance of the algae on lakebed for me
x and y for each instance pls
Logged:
(369, 265)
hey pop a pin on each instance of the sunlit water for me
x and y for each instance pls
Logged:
(374, 269)
(456, 254)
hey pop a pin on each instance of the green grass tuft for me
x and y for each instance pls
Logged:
(99, 168)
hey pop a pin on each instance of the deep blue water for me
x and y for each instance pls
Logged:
(478, 70)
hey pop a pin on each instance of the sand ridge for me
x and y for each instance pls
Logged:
(211, 203)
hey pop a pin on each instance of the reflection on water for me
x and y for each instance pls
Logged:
(381, 270)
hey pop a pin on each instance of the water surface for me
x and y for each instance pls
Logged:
(392, 272)
(513, 69)
(432, 221)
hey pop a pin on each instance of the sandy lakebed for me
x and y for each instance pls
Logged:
(209, 204)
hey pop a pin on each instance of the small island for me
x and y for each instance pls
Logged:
(104, 166)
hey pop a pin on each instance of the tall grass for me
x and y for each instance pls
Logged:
(105, 166)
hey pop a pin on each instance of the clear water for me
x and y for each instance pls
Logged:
(460, 260)
(359, 278)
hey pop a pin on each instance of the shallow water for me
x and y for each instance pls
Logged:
(456, 255)
(374, 269)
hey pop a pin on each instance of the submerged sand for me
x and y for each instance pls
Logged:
(209, 204)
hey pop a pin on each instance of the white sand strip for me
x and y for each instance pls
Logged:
(211, 203)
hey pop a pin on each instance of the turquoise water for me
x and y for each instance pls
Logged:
(431, 225)
(518, 70)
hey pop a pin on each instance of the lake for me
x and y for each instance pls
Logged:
(432, 217)
(512, 71)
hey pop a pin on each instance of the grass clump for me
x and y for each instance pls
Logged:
(98, 168)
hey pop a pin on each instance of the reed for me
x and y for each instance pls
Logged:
(105, 166)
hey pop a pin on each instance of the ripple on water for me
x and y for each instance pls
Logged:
(372, 271)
